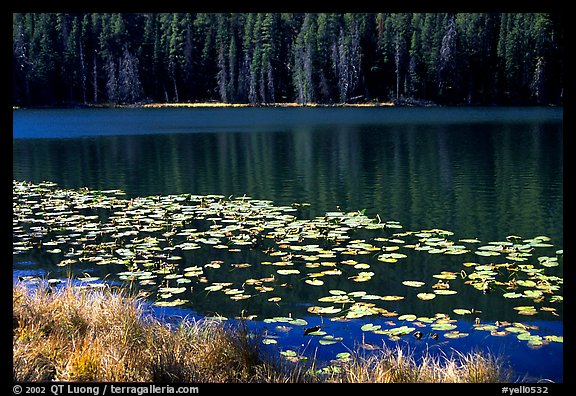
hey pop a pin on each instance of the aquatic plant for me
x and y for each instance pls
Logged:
(152, 245)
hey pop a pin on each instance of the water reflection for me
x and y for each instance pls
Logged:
(485, 181)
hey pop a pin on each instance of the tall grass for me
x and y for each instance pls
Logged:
(72, 334)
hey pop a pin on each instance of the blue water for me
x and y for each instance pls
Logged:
(479, 172)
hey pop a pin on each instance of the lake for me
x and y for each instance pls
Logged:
(480, 175)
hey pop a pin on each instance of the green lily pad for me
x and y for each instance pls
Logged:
(370, 327)
(391, 298)
(426, 296)
(288, 271)
(487, 327)
(446, 275)
(412, 283)
(554, 338)
(455, 334)
(336, 299)
(344, 356)
(298, 322)
(289, 353)
(324, 310)
(408, 317)
(487, 253)
(401, 331)
(532, 293)
(370, 297)
(329, 340)
(461, 311)
(470, 240)
(445, 292)
(512, 295)
(173, 303)
(442, 326)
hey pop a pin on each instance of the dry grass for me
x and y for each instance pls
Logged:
(102, 335)
(397, 365)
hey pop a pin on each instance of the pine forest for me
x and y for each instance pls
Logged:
(269, 58)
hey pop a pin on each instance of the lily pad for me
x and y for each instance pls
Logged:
(442, 326)
(370, 327)
(391, 298)
(329, 340)
(426, 296)
(445, 292)
(344, 356)
(512, 295)
(314, 282)
(455, 334)
(412, 283)
(554, 338)
(323, 310)
(288, 271)
(173, 303)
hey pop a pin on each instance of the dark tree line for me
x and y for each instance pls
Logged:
(493, 58)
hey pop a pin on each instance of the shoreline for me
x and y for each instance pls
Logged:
(274, 104)
(215, 104)
(208, 104)
(106, 335)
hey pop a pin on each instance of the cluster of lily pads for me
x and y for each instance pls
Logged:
(180, 250)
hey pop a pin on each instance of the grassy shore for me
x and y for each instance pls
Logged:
(103, 335)
(291, 104)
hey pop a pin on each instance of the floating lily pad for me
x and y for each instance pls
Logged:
(288, 353)
(401, 331)
(532, 293)
(426, 296)
(445, 292)
(442, 326)
(370, 327)
(512, 295)
(526, 310)
(554, 338)
(323, 310)
(314, 282)
(412, 283)
(391, 298)
(329, 340)
(173, 303)
(445, 275)
(344, 356)
(288, 271)
(455, 334)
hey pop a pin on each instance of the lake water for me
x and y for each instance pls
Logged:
(485, 173)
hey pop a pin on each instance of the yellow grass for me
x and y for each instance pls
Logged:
(73, 334)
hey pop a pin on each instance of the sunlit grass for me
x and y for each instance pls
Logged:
(398, 365)
(72, 334)
(283, 104)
